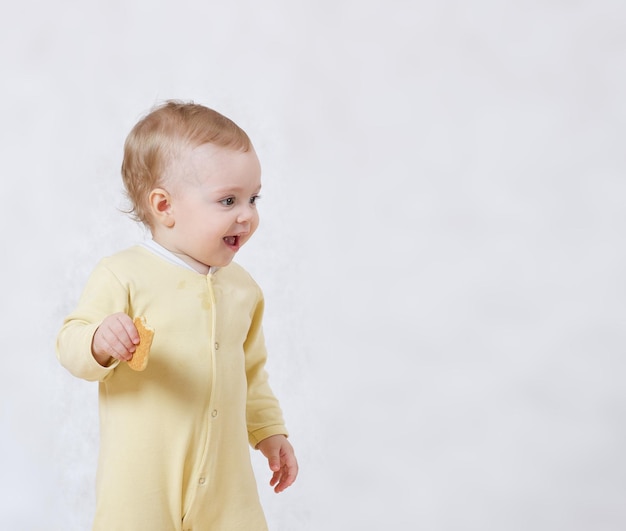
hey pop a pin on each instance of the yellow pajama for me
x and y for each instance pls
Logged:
(174, 449)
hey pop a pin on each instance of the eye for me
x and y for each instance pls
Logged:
(254, 199)
(229, 201)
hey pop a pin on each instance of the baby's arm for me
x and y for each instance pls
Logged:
(116, 337)
(104, 295)
(281, 459)
(266, 427)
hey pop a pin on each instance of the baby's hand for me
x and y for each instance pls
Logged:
(281, 459)
(116, 337)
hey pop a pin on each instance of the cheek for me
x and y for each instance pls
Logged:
(254, 223)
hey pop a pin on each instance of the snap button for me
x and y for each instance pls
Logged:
(217, 346)
(202, 481)
(214, 413)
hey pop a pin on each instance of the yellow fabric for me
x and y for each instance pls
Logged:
(174, 452)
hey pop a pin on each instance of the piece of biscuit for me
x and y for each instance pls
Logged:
(139, 360)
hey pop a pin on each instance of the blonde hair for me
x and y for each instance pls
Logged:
(160, 136)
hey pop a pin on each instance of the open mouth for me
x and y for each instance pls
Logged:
(231, 241)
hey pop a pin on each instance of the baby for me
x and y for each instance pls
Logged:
(174, 452)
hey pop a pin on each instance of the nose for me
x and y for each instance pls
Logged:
(246, 214)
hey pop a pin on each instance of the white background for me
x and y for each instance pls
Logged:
(441, 247)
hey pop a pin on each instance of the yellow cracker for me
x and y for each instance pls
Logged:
(139, 360)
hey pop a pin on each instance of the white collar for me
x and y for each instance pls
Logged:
(164, 253)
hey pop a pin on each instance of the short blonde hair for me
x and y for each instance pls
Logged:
(159, 137)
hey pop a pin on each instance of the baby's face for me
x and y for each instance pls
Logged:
(213, 204)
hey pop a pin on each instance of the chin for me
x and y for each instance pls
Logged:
(222, 263)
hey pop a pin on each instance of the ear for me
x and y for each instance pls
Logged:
(161, 207)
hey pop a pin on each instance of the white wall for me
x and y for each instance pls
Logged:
(441, 248)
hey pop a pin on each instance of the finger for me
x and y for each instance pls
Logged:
(125, 330)
(115, 341)
(115, 348)
(287, 477)
(281, 484)
(288, 473)
(274, 462)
